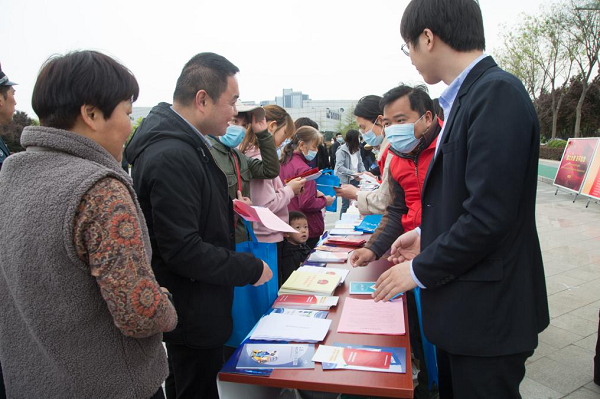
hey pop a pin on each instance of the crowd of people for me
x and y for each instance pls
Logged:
(99, 268)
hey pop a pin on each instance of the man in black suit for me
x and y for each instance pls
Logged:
(477, 256)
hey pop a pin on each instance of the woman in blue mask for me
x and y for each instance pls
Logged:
(349, 164)
(294, 161)
(239, 168)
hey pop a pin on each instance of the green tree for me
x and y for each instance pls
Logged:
(134, 127)
(11, 133)
(349, 122)
(583, 23)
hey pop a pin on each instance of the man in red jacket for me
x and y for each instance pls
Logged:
(411, 126)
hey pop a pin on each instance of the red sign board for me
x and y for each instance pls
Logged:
(575, 163)
(591, 186)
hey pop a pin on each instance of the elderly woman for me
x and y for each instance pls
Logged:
(82, 314)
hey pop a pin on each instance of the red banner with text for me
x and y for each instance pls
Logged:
(575, 163)
(591, 186)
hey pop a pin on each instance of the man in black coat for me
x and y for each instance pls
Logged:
(189, 213)
(478, 258)
(7, 110)
(338, 141)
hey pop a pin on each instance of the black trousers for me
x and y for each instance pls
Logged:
(193, 371)
(480, 377)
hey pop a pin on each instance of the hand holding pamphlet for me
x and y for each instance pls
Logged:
(263, 216)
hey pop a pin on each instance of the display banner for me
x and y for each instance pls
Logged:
(575, 162)
(591, 186)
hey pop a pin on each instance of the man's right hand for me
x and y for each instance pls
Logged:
(297, 185)
(406, 247)
(266, 275)
(362, 257)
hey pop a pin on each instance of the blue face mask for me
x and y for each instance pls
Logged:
(310, 155)
(234, 136)
(340, 139)
(402, 136)
(371, 138)
(285, 142)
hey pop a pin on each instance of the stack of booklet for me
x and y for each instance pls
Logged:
(309, 302)
(328, 257)
(361, 357)
(326, 270)
(276, 356)
(310, 283)
(346, 241)
(281, 327)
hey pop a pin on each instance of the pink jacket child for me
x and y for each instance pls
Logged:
(272, 194)
(307, 202)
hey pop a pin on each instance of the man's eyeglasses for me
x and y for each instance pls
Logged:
(405, 50)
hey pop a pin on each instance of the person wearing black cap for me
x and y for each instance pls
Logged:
(7, 109)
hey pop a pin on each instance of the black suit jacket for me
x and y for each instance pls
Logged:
(480, 255)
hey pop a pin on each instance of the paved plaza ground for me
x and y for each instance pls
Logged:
(562, 365)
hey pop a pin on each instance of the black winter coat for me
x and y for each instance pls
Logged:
(189, 214)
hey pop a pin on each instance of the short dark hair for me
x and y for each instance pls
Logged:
(338, 134)
(458, 23)
(368, 107)
(305, 122)
(295, 215)
(4, 91)
(66, 82)
(352, 140)
(417, 96)
(205, 71)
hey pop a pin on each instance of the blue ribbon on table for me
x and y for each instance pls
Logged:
(428, 348)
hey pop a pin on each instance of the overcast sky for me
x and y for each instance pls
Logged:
(328, 49)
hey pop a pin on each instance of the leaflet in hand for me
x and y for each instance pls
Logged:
(328, 257)
(310, 283)
(276, 356)
(397, 362)
(279, 327)
(263, 216)
(326, 270)
(311, 302)
(311, 174)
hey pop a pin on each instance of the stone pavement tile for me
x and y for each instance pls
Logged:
(592, 233)
(531, 389)
(571, 299)
(586, 273)
(551, 270)
(575, 324)
(589, 312)
(575, 358)
(593, 387)
(561, 282)
(558, 338)
(568, 257)
(542, 350)
(557, 375)
(582, 393)
(589, 244)
(588, 343)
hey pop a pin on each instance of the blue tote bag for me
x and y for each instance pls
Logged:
(325, 184)
(249, 302)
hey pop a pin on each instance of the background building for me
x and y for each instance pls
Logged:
(331, 115)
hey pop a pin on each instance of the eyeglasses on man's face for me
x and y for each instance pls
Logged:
(405, 49)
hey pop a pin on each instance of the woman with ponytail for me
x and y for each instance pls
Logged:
(272, 193)
(294, 161)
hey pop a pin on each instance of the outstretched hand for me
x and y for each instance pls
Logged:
(406, 247)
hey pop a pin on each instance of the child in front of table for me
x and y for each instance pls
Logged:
(294, 250)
